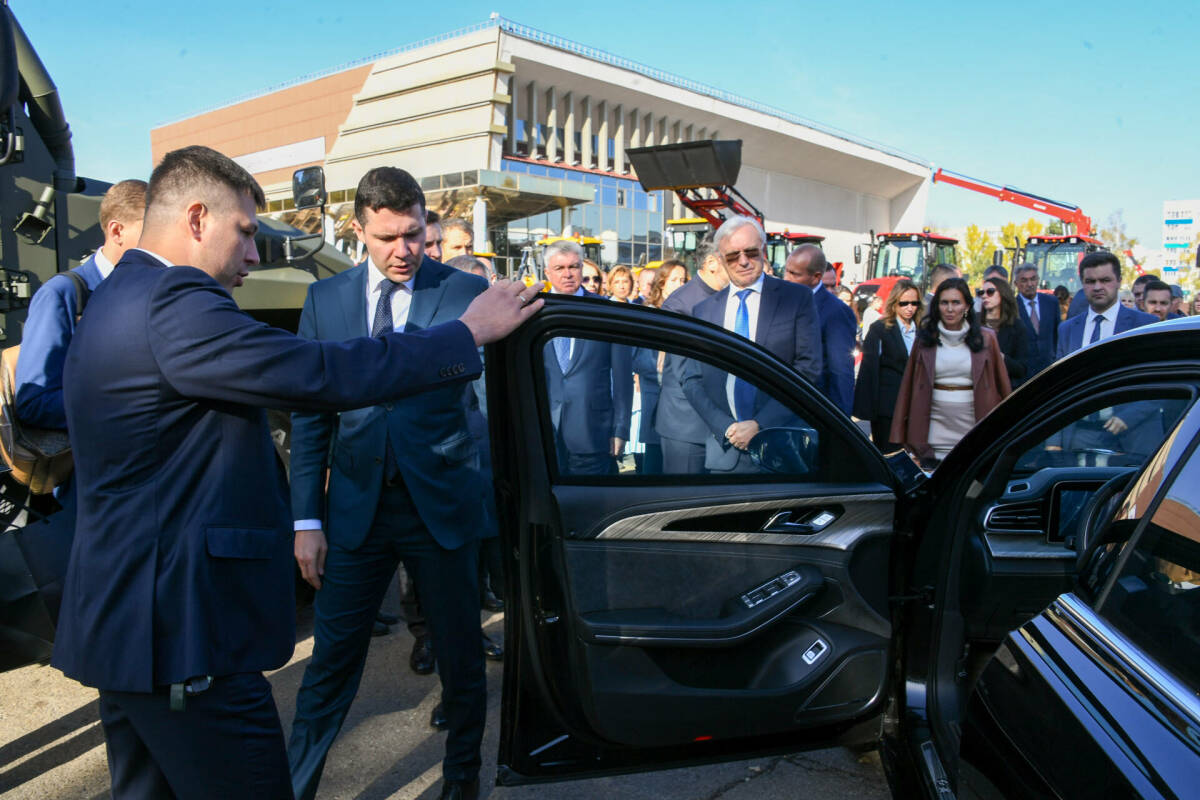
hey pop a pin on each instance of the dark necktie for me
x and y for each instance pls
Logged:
(383, 309)
(743, 393)
(380, 326)
(1033, 317)
(1096, 329)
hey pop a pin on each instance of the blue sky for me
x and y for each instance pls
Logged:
(1094, 103)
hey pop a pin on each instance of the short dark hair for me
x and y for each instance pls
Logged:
(1145, 278)
(186, 168)
(387, 187)
(1100, 258)
(1155, 285)
(942, 269)
(995, 269)
(432, 217)
(816, 264)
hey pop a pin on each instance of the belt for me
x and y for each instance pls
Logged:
(942, 387)
(192, 686)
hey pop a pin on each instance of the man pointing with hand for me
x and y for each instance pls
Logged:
(179, 592)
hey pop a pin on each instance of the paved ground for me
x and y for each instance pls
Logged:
(51, 744)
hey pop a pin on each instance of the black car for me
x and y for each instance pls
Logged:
(1025, 622)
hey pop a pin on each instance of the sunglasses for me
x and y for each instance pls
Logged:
(733, 257)
(592, 279)
(909, 303)
(989, 292)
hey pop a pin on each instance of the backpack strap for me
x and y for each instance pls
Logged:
(82, 292)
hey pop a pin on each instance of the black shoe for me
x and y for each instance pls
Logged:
(421, 659)
(460, 790)
(386, 619)
(437, 720)
(492, 650)
(489, 602)
(379, 629)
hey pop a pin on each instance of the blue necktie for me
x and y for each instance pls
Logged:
(1096, 329)
(743, 393)
(383, 309)
(562, 350)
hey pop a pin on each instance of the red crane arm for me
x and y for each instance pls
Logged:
(1071, 215)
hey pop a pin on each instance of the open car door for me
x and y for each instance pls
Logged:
(660, 619)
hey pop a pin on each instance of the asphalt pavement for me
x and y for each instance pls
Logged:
(52, 745)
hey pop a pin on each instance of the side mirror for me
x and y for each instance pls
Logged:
(789, 451)
(308, 188)
(997, 258)
(858, 254)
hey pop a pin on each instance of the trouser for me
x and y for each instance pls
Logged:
(682, 458)
(881, 434)
(225, 743)
(352, 589)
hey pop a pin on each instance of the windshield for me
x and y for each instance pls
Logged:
(903, 259)
(1057, 263)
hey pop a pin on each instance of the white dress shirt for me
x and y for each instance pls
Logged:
(578, 293)
(103, 264)
(401, 298)
(1107, 328)
(730, 323)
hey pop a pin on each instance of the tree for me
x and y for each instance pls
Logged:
(1055, 228)
(976, 251)
(1013, 235)
(1115, 239)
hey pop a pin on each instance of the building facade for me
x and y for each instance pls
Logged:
(526, 134)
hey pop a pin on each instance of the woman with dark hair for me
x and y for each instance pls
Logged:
(1015, 336)
(1063, 295)
(885, 351)
(955, 375)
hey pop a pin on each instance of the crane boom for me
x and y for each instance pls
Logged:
(1069, 214)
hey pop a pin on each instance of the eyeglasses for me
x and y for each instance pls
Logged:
(905, 303)
(734, 256)
(989, 292)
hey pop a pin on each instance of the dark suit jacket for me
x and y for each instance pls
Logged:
(44, 341)
(1020, 358)
(182, 562)
(1046, 337)
(645, 366)
(675, 417)
(430, 439)
(591, 401)
(787, 327)
(879, 374)
(1071, 331)
(839, 331)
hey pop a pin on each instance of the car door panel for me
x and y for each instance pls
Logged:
(666, 618)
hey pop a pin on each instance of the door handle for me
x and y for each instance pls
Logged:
(807, 522)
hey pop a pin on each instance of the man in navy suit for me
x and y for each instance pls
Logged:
(1105, 316)
(806, 266)
(180, 586)
(682, 430)
(1038, 310)
(52, 312)
(590, 382)
(404, 484)
(775, 314)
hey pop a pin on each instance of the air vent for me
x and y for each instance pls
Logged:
(1013, 488)
(1017, 517)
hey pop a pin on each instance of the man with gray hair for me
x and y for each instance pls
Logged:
(683, 432)
(1039, 311)
(775, 314)
(590, 382)
(458, 238)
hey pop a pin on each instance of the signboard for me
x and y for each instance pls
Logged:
(1181, 223)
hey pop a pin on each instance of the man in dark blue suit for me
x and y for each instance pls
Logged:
(681, 429)
(52, 312)
(839, 329)
(775, 314)
(404, 484)
(590, 383)
(180, 586)
(1040, 311)
(1105, 316)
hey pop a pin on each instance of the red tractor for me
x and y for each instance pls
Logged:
(902, 255)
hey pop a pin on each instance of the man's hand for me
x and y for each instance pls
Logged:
(500, 310)
(739, 434)
(1115, 426)
(618, 446)
(310, 555)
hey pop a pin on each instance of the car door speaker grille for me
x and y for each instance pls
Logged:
(1027, 517)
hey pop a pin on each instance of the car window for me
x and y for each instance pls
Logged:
(1155, 598)
(637, 413)
(1107, 434)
